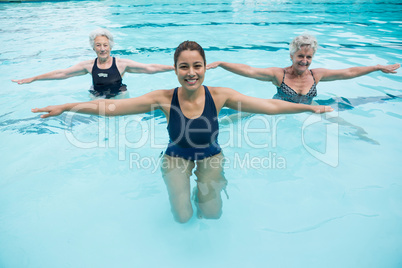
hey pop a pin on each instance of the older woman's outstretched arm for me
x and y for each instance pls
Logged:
(322, 74)
(75, 70)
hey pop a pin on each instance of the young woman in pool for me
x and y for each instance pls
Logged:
(106, 71)
(297, 83)
(192, 114)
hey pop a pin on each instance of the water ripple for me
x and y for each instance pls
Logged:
(320, 224)
(34, 125)
(343, 103)
(260, 23)
(275, 47)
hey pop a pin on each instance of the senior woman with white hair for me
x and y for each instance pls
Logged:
(106, 71)
(297, 83)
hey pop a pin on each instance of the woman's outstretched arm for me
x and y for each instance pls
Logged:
(108, 107)
(137, 67)
(75, 70)
(263, 74)
(322, 74)
(237, 101)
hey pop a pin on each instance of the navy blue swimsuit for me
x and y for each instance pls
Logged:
(107, 82)
(193, 139)
(286, 93)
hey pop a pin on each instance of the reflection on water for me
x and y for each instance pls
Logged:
(342, 103)
(37, 125)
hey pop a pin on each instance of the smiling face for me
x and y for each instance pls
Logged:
(102, 47)
(190, 69)
(302, 59)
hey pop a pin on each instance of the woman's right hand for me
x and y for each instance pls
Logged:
(53, 110)
(23, 81)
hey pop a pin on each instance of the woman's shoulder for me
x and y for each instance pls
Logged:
(278, 69)
(86, 64)
(272, 71)
(318, 70)
(160, 96)
(121, 59)
(319, 73)
(164, 94)
(219, 90)
(125, 61)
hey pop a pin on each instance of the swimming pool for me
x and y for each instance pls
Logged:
(85, 191)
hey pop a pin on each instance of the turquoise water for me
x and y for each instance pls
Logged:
(84, 191)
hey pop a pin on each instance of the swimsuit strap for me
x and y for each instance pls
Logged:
(312, 75)
(174, 104)
(114, 64)
(283, 79)
(94, 66)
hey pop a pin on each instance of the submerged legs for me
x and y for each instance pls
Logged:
(176, 173)
(210, 182)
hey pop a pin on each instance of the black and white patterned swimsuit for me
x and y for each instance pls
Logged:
(286, 93)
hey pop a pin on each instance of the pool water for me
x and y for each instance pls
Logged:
(304, 190)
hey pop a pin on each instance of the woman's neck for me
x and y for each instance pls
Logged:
(104, 61)
(191, 95)
(298, 73)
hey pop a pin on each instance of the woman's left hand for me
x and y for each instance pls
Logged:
(389, 68)
(319, 109)
(213, 65)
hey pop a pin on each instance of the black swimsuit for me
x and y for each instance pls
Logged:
(286, 93)
(193, 139)
(107, 82)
